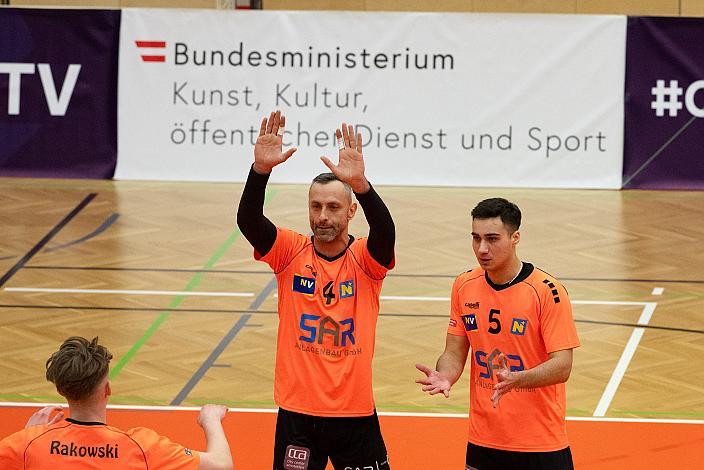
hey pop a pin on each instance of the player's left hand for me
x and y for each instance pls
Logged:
(507, 380)
(43, 416)
(211, 414)
(350, 165)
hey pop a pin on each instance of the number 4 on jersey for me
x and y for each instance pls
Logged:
(328, 293)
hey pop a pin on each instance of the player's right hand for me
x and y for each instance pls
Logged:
(43, 416)
(434, 382)
(268, 148)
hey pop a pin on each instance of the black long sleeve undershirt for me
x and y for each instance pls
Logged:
(261, 232)
(256, 228)
(382, 231)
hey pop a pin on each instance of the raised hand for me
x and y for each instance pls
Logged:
(43, 416)
(350, 165)
(211, 414)
(433, 383)
(267, 150)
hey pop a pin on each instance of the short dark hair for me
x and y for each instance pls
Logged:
(499, 207)
(78, 367)
(325, 178)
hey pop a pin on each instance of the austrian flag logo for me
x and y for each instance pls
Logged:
(154, 50)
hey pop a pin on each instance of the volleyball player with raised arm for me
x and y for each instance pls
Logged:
(328, 303)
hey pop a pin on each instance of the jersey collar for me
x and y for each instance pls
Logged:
(332, 258)
(526, 271)
(85, 423)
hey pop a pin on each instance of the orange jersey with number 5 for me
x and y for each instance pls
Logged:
(525, 320)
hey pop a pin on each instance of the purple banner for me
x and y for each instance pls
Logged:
(58, 92)
(664, 114)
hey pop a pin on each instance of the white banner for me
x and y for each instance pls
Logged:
(440, 99)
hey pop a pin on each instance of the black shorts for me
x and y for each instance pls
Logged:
(305, 442)
(485, 458)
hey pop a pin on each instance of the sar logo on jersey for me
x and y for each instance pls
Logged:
(470, 322)
(304, 285)
(518, 326)
(347, 289)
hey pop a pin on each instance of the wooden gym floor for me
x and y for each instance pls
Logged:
(160, 272)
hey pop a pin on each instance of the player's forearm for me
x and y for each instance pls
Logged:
(382, 231)
(450, 366)
(217, 449)
(553, 371)
(255, 227)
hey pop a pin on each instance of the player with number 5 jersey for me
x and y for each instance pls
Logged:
(517, 320)
(328, 295)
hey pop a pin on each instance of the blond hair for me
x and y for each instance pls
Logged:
(78, 367)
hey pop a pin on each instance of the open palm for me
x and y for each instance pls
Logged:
(268, 147)
(433, 382)
(350, 165)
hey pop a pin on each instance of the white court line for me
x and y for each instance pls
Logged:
(129, 292)
(417, 299)
(576, 302)
(409, 297)
(625, 360)
(658, 291)
(250, 294)
(606, 397)
(381, 413)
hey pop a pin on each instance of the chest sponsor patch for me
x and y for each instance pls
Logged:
(347, 289)
(304, 285)
(470, 322)
(518, 326)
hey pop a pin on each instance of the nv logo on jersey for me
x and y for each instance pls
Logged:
(304, 285)
(470, 322)
(347, 289)
(518, 326)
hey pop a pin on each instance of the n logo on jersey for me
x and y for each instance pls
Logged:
(347, 289)
(518, 326)
(470, 322)
(304, 285)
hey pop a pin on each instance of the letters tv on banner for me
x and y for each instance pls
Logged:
(440, 99)
(664, 129)
(58, 92)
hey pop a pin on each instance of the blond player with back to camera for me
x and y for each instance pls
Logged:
(79, 369)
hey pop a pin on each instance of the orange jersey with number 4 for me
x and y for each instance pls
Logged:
(328, 310)
(525, 320)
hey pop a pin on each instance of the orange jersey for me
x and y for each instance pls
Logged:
(71, 444)
(525, 321)
(328, 310)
